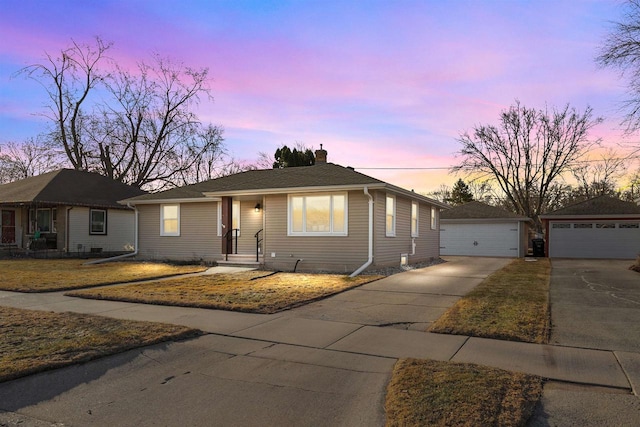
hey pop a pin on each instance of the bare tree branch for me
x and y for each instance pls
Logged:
(135, 126)
(621, 50)
(527, 152)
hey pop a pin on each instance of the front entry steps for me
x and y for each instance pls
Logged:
(239, 260)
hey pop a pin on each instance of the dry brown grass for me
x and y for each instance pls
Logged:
(431, 393)
(511, 304)
(253, 291)
(45, 275)
(34, 341)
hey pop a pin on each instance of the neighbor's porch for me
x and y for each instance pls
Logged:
(31, 226)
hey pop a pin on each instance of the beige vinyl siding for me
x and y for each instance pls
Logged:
(387, 250)
(198, 239)
(342, 254)
(428, 244)
(120, 230)
(250, 223)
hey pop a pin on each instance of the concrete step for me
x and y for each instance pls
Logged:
(242, 260)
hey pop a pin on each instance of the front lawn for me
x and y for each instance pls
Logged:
(431, 393)
(253, 291)
(511, 304)
(34, 341)
(46, 275)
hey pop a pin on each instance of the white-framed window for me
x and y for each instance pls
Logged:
(97, 221)
(42, 220)
(415, 211)
(390, 216)
(169, 220)
(434, 218)
(318, 215)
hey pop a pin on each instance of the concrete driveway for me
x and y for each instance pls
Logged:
(595, 304)
(411, 300)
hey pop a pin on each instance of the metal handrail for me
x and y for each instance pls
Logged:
(258, 240)
(230, 236)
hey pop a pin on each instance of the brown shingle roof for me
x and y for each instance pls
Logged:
(319, 175)
(68, 187)
(479, 210)
(602, 205)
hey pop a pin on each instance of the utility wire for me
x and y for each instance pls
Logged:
(451, 167)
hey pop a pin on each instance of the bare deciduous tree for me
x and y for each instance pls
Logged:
(481, 190)
(442, 194)
(30, 158)
(135, 126)
(621, 50)
(265, 160)
(527, 152)
(68, 80)
(598, 177)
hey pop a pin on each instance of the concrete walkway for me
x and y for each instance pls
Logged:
(326, 363)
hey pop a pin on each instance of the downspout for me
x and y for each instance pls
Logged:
(370, 260)
(520, 254)
(135, 242)
(67, 237)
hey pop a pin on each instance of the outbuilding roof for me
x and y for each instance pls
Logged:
(479, 210)
(68, 187)
(602, 205)
(262, 181)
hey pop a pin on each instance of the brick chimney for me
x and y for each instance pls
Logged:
(321, 156)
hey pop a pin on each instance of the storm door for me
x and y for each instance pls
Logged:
(8, 231)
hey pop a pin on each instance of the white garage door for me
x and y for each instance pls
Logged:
(603, 239)
(490, 239)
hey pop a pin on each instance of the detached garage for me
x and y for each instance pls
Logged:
(602, 227)
(477, 229)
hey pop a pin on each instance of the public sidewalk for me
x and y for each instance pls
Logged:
(358, 333)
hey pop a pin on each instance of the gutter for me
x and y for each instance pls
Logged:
(370, 259)
(135, 242)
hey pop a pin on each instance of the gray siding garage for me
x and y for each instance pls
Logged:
(594, 239)
(602, 227)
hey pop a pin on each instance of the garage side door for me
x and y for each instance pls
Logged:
(604, 239)
(492, 239)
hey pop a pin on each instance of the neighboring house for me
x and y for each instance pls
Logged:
(67, 211)
(314, 218)
(602, 227)
(477, 229)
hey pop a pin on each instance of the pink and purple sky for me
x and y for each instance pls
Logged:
(381, 84)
